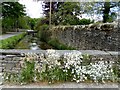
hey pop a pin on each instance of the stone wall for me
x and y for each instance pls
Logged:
(11, 62)
(89, 37)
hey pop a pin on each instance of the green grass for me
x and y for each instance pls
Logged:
(10, 43)
(23, 44)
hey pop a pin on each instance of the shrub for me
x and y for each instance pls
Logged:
(55, 43)
(85, 21)
(43, 32)
(27, 72)
(10, 43)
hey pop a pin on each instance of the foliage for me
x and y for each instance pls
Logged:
(40, 22)
(27, 72)
(67, 14)
(107, 6)
(11, 78)
(7, 24)
(32, 22)
(12, 9)
(55, 43)
(63, 13)
(27, 23)
(11, 12)
(23, 23)
(43, 32)
(85, 21)
(24, 43)
(10, 43)
(107, 9)
(46, 9)
(116, 69)
(0, 26)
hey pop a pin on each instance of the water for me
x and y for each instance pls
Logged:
(33, 43)
(34, 46)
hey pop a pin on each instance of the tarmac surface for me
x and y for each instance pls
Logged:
(10, 34)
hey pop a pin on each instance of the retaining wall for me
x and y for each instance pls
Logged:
(10, 61)
(89, 37)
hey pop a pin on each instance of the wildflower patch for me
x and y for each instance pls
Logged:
(55, 67)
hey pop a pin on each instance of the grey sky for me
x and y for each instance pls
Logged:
(33, 8)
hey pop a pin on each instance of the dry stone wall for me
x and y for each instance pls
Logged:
(89, 37)
(11, 63)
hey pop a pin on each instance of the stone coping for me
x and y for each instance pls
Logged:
(90, 52)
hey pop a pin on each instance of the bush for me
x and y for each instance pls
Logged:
(27, 73)
(10, 43)
(85, 21)
(55, 43)
(43, 32)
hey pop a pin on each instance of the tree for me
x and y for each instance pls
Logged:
(33, 22)
(11, 11)
(108, 9)
(67, 13)
(23, 22)
(46, 9)
(107, 14)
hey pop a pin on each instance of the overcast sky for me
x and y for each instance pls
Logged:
(33, 8)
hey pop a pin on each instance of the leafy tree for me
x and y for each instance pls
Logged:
(39, 23)
(108, 9)
(33, 22)
(67, 13)
(11, 11)
(23, 22)
(107, 14)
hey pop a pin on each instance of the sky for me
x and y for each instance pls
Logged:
(33, 8)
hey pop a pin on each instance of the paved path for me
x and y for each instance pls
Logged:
(4, 36)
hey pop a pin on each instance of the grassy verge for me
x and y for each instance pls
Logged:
(23, 44)
(10, 43)
(60, 46)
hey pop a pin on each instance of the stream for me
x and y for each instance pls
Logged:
(33, 43)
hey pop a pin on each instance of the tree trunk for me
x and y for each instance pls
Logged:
(106, 12)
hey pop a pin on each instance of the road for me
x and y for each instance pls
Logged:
(5, 36)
